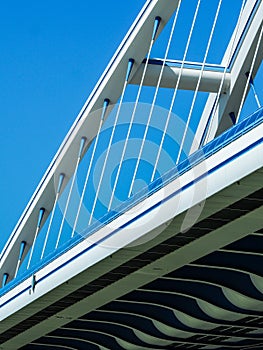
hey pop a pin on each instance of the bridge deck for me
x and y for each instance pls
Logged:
(95, 271)
(248, 124)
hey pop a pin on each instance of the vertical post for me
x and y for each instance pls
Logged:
(33, 283)
(156, 27)
(5, 278)
(81, 147)
(129, 68)
(106, 103)
(60, 182)
(40, 217)
(21, 252)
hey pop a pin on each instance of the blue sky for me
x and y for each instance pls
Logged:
(52, 54)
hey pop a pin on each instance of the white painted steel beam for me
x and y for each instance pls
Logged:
(211, 78)
(238, 58)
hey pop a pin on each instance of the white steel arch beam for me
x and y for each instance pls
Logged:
(238, 57)
(134, 46)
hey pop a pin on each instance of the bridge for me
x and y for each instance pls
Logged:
(145, 232)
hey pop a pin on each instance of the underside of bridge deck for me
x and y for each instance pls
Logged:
(199, 289)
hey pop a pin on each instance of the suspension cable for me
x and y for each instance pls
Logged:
(199, 81)
(82, 143)
(130, 65)
(137, 99)
(175, 90)
(103, 113)
(134, 110)
(40, 217)
(60, 182)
